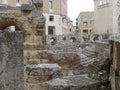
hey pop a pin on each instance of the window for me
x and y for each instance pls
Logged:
(51, 18)
(85, 24)
(91, 23)
(72, 39)
(90, 31)
(103, 2)
(17, 1)
(5, 1)
(64, 38)
(50, 5)
(51, 30)
(85, 31)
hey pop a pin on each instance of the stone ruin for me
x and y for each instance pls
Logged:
(11, 61)
(38, 74)
(28, 20)
(73, 83)
(19, 47)
(25, 64)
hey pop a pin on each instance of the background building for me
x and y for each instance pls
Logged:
(107, 16)
(85, 22)
(14, 2)
(103, 16)
(57, 22)
(55, 11)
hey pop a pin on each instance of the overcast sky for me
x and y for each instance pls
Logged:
(77, 6)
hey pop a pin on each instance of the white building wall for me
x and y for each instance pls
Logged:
(56, 23)
(103, 18)
(116, 13)
(61, 27)
(106, 18)
(64, 27)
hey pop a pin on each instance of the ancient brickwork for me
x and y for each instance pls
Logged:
(28, 19)
(37, 75)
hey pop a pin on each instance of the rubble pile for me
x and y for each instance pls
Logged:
(72, 83)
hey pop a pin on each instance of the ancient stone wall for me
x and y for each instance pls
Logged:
(102, 49)
(56, 39)
(115, 64)
(28, 19)
(37, 75)
(67, 60)
(62, 38)
(11, 61)
(73, 83)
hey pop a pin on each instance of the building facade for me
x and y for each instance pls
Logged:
(55, 12)
(57, 22)
(85, 22)
(107, 16)
(15, 2)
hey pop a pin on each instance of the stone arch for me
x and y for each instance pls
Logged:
(119, 23)
(7, 23)
(32, 26)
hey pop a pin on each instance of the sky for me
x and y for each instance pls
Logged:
(77, 6)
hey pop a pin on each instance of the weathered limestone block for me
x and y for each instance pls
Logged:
(11, 61)
(38, 74)
(99, 69)
(102, 49)
(38, 2)
(115, 67)
(37, 57)
(116, 61)
(24, 19)
(41, 20)
(26, 7)
(67, 60)
(42, 72)
(72, 83)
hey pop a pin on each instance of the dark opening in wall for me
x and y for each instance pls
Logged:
(51, 18)
(51, 30)
(53, 40)
(64, 38)
(73, 39)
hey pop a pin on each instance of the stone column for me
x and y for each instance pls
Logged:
(11, 61)
(116, 61)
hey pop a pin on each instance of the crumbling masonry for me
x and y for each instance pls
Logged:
(28, 73)
(28, 19)
(32, 25)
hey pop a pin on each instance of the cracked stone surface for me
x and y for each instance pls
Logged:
(72, 83)
(11, 61)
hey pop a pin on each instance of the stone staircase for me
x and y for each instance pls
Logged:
(85, 59)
